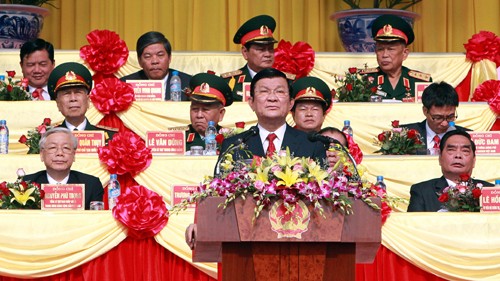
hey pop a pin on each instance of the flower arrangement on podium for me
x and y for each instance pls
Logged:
(225, 132)
(463, 197)
(14, 91)
(355, 87)
(288, 179)
(399, 141)
(34, 135)
(20, 194)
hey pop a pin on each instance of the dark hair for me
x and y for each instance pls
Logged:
(334, 130)
(38, 44)
(268, 73)
(150, 38)
(439, 94)
(454, 133)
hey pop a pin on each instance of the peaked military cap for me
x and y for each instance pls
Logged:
(68, 74)
(210, 88)
(257, 30)
(391, 28)
(312, 89)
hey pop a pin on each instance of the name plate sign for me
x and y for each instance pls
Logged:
(490, 199)
(89, 141)
(419, 90)
(181, 192)
(166, 142)
(63, 197)
(486, 142)
(148, 90)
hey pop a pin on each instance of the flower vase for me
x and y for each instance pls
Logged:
(20, 23)
(355, 26)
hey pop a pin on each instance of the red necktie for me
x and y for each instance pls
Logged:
(436, 140)
(39, 91)
(271, 148)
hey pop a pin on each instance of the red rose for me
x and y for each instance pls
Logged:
(42, 193)
(349, 87)
(24, 184)
(381, 136)
(374, 89)
(412, 134)
(464, 177)
(9, 88)
(353, 70)
(240, 125)
(11, 73)
(24, 82)
(47, 121)
(476, 192)
(23, 139)
(395, 123)
(443, 198)
(219, 138)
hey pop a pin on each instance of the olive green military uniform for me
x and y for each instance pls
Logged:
(235, 80)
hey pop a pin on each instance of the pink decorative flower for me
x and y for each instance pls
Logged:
(142, 211)
(297, 59)
(106, 52)
(112, 95)
(125, 153)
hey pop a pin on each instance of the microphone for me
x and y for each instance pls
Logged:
(327, 141)
(238, 145)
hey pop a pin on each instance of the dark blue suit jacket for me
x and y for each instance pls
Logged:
(185, 78)
(93, 186)
(424, 198)
(420, 127)
(294, 139)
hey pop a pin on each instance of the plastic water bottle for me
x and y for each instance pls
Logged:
(210, 142)
(175, 87)
(347, 129)
(497, 183)
(380, 182)
(4, 137)
(451, 126)
(113, 191)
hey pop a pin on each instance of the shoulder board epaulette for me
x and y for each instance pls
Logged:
(107, 128)
(290, 76)
(179, 128)
(419, 75)
(369, 70)
(231, 73)
(57, 124)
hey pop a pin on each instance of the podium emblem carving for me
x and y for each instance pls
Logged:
(289, 221)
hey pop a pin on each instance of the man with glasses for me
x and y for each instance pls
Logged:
(440, 102)
(57, 152)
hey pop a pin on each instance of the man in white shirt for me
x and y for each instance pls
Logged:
(37, 62)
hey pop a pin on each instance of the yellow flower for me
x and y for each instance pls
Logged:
(287, 160)
(316, 172)
(288, 178)
(22, 197)
(261, 174)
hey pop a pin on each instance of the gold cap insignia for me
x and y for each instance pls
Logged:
(387, 29)
(311, 91)
(264, 30)
(205, 88)
(70, 75)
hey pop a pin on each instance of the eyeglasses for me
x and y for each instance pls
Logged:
(279, 92)
(441, 118)
(54, 149)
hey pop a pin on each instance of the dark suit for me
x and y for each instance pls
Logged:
(420, 127)
(423, 195)
(294, 139)
(93, 186)
(108, 134)
(185, 78)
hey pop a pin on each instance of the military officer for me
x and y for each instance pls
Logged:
(392, 36)
(257, 47)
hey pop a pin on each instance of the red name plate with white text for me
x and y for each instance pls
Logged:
(167, 142)
(486, 142)
(63, 196)
(89, 141)
(148, 90)
(490, 199)
(419, 90)
(181, 192)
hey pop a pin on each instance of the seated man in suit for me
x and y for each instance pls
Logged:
(313, 101)
(37, 62)
(69, 85)
(271, 101)
(154, 54)
(57, 152)
(392, 36)
(440, 102)
(209, 96)
(257, 47)
(457, 157)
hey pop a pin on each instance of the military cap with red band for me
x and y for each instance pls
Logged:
(209, 88)
(258, 30)
(391, 28)
(312, 89)
(69, 74)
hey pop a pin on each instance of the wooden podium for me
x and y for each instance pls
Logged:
(328, 249)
